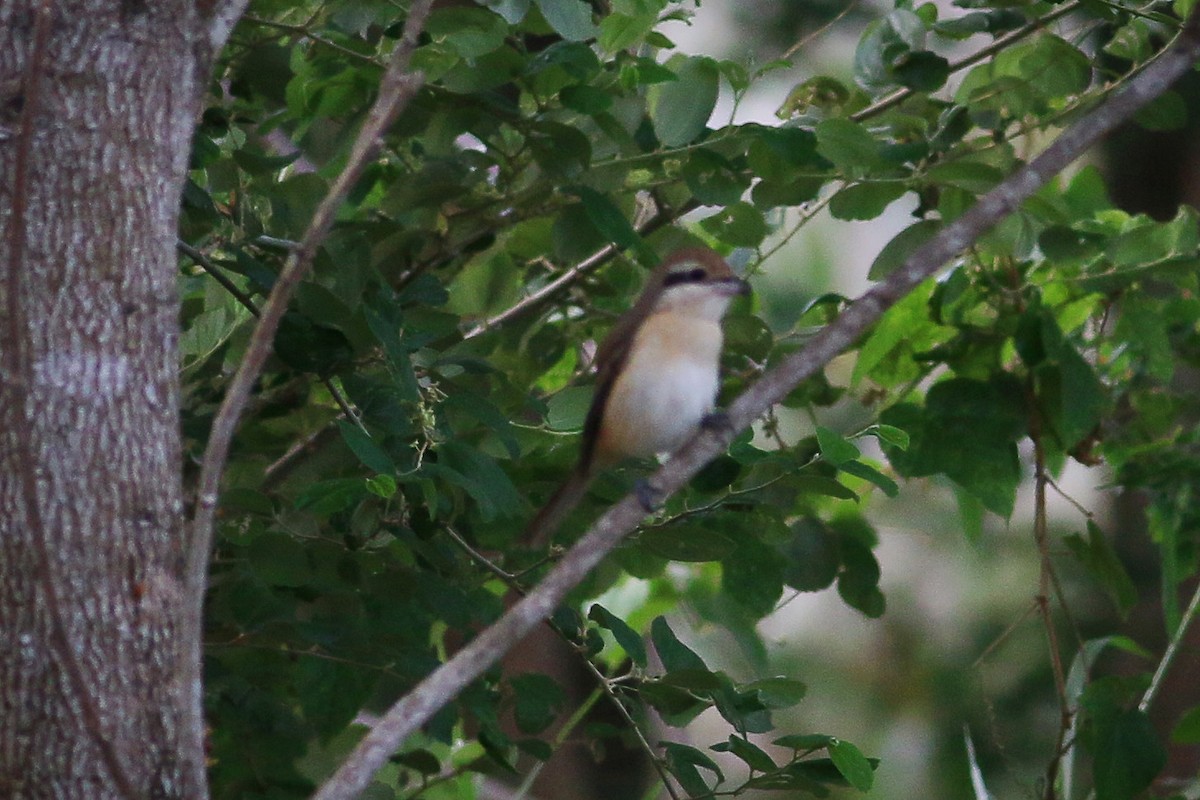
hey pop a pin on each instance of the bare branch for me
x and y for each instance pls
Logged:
(412, 711)
(396, 89)
(570, 276)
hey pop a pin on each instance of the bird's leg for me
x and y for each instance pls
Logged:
(647, 495)
(716, 421)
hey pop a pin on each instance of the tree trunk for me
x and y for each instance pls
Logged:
(97, 106)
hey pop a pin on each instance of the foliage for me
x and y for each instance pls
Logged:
(398, 434)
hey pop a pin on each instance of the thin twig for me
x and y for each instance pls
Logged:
(20, 370)
(217, 274)
(791, 51)
(570, 276)
(1172, 650)
(396, 88)
(301, 30)
(413, 710)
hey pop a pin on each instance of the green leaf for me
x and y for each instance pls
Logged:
(902, 245)
(630, 641)
(382, 486)
(713, 180)
(868, 473)
(567, 410)
(537, 701)
(754, 756)
(365, 448)
(804, 742)
(609, 220)
(1187, 730)
(853, 765)
(968, 431)
(621, 31)
(753, 576)
(834, 447)
(674, 654)
(849, 145)
(866, 200)
(738, 224)
(1167, 112)
(680, 109)
(686, 542)
(812, 557)
(1101, 561)
(571, 19)
(921, 70)
(683, 761)
(1127, 754)
(777, 692)
(889, 435)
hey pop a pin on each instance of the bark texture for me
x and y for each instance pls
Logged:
(97, 106)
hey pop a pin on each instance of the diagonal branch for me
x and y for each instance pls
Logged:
(412, 711)
(396, 88)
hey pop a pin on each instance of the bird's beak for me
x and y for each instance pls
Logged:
(736, 286)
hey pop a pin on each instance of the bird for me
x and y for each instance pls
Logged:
(657, 375)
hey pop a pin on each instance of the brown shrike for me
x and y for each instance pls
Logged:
(657, 374)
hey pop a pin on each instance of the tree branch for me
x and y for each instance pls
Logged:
(412, 711)
(397, 87)
(559, 284)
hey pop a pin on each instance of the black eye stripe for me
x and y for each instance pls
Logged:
(695, 275)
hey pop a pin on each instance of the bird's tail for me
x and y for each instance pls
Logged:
(561, 503)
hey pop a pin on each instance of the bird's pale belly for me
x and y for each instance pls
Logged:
(659, 399)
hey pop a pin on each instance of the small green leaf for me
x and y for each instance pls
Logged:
(753, 576)
(1101, 560)
(1167, 112)
(861, 201)
(566, 410)
(365, 448)
(921, 70)
(1187, 730)
(853, 765)
(737, 224)
(673, 653)
(848, 144)
(868, 473)
(889, 435)
(754, 756)
(537, 700)
(571, 19)
(834, 447)
(683, 762)
(626, 636)
(902, 245)
(679, 110)
(812, 557)
(382, 486)
(778, 692)
(1127, 754)
(804, 742)
(687, 542)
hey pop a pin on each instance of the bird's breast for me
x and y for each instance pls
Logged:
(668, 384)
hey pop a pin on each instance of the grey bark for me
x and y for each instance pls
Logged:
(97, 105)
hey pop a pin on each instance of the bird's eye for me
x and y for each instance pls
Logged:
(695, 275)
